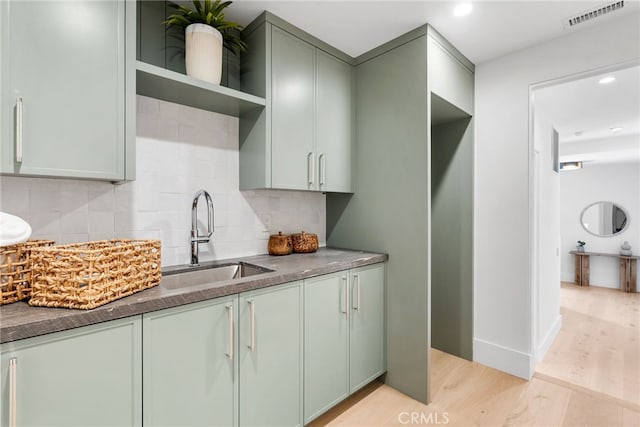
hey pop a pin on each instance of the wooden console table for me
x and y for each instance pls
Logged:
(628, 269)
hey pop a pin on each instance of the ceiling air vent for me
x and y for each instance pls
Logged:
(592, 14)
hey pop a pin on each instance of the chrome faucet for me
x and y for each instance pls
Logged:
(196, 238)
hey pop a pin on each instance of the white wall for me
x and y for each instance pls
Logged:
(613, 182)
(502, 244)
(179, 151)
(547, 241)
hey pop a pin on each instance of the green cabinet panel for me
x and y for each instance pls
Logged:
(367, 343)
(271, 356)
(90, 376)
(64, 101)
(190, 365)
(292, 103)
(326, 342)
(334, 124)
(450, 79)
(303, 138)
(344, 340)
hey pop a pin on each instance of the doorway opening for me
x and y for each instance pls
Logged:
(585, 331)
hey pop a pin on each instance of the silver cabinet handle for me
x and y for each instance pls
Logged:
(310, 168)
(230, 330)
(322, 160)
(13, 398)
(19, 114)
(356, 300)
(252, 310)
(345, 303)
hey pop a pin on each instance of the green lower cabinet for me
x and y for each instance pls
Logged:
(326, 343)
(190, 365)
(366, 339)
(344, 335)
(271, 356)
(88, 376)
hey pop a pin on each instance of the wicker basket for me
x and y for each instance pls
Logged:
(88, 275)
(15, 272)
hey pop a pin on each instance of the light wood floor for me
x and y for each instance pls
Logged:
(598, 347)
(469, 394)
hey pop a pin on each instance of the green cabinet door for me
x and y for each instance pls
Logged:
(63, 88)
(326, 343)
(302, 140)
(334, 114)
(90, 376)
(367, 344)
(190, 365)
(292, 114)
(271, 356)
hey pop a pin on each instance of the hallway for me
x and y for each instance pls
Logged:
(591, 377)
(598, 347)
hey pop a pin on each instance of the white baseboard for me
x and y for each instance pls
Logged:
(550, 336)
(511, 361)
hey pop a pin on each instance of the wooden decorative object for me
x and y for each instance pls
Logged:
(15, 271)
(628, 273)
(280, 244)
(582, 269)
(88, 275)
(628, 269)
(305, 242)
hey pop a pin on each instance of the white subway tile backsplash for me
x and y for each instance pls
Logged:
(74, 222)
(15, 202)
(101, 222)
(44, 197)
(179, 150)
(101, 200)
(45, 224)
(147, 107)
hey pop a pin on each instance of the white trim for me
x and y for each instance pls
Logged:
(551, 335)
(505, 359)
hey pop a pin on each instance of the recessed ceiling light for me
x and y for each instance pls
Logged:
(463, 9)
(570, 166)
(606, 80)
(616, 129)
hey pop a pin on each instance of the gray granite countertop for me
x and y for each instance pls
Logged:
(19, 320)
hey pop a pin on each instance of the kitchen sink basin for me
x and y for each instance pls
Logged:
(213, 274)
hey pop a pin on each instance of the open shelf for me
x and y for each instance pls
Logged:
(160, 83)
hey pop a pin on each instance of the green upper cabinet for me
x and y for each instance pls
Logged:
(90, 376)
(271, 356)
(190, 365)
(65, 108)
(302, 140)
(292, 112)
(451, 75)
(333, 123)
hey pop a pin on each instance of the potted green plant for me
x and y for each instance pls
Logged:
(205, 32)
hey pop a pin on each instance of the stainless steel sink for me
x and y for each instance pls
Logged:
(213, 274)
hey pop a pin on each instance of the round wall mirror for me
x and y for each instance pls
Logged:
(604, 219)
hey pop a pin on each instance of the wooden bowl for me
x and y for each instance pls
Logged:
(280, 244)
(305, 242)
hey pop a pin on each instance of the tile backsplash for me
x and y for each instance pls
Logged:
(180, 150)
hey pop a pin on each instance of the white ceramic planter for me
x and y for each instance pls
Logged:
(203, 56)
